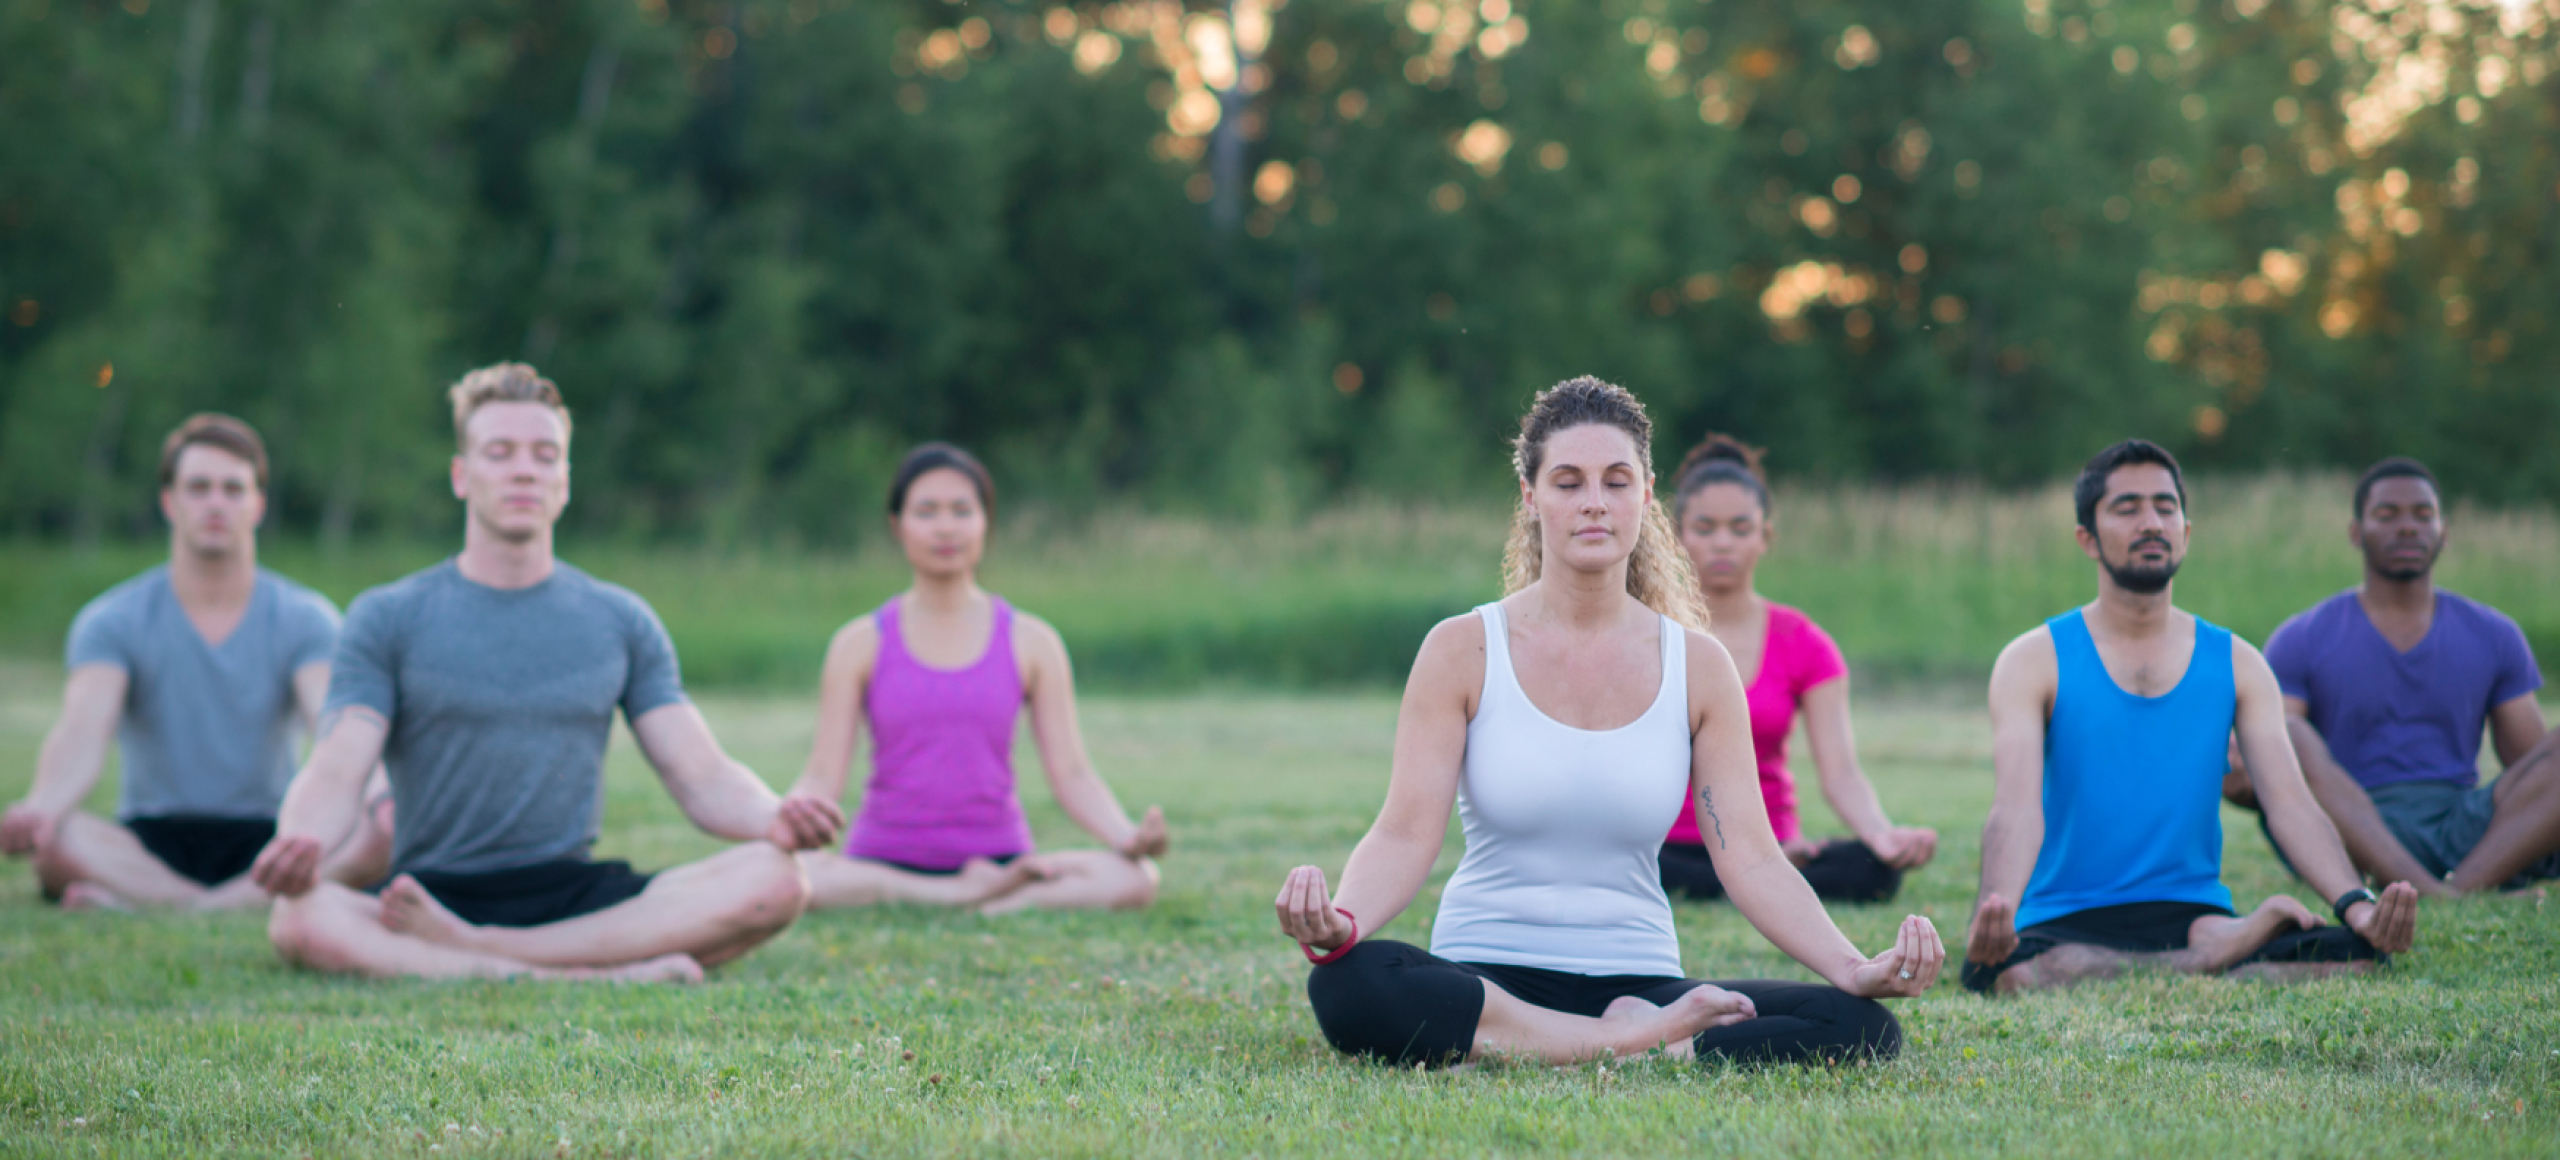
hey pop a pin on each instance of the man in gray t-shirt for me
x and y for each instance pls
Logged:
(201, 672)
(487, 685)
(500, 702)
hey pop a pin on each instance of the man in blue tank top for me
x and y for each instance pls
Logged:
(2111, 725)
(2388, 687)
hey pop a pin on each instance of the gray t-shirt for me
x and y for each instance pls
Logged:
(206, 731)
(500, 702)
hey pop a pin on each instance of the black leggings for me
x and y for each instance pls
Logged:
(1844, 870)
(1398, 1003)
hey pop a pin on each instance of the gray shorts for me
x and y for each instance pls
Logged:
(2439, 822)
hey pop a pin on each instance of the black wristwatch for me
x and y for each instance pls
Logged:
(2350, 898)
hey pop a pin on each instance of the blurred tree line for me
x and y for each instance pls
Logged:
(1244, 256)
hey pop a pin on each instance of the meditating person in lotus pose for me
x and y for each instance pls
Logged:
(942, 673)
(1568, 722)
(2110, 724)
(201, 672)
(2387, 689)
(1727, 523)
(487, 685)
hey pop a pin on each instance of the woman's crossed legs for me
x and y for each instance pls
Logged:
(1398, 1003)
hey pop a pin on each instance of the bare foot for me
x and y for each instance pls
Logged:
(2296, 972)
(2063, 966)
(663, 969)
(983, 879)
(1627, 1007)
(91, 896)
(1670, 1027)
(2214, 943)
(409, 909)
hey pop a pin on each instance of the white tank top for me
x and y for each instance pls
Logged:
(1564, 828)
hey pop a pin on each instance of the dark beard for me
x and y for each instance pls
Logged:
(2404, 575)
(2143, 580)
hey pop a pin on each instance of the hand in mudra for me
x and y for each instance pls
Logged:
(1906, 847)
(2391, 923)
(1151, 838)
(289, 867)
(803, 822)
(26, 829)
(1306, 911)
(1908, 967)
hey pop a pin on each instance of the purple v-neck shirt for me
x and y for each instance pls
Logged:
(2392, 717)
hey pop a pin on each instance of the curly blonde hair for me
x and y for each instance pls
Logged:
(1658, 573)
(506, 382)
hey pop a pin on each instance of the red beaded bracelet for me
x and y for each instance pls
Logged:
(1339, 951)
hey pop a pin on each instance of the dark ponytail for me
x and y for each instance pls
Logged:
(935, 457)
(1721, 458)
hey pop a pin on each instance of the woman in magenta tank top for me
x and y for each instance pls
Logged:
(941, 673)
(1790, 665)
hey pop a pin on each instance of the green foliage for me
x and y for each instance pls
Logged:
(1184, 1030)
(765, 244)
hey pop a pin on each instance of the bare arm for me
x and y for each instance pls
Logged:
(2022, 689)
(1389, 865)
(1080, 791)
(1845, 784)
(2515, 728)
(2294, 816)
(322, 804)
(2369, 842)
(310, 695)
(724, 797)
(843, 683)
(74, 753)
(1757, 875)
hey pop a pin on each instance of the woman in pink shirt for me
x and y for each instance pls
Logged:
(941, 674)
(1727, 524)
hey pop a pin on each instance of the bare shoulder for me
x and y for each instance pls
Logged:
(855, 646)
(2027, 668)
(2249, 667)
(1452, 658)
(1711, 665)
(1029, 631)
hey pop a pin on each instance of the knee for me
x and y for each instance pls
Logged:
(300, 938)
(1877, 1033)
(1138, 889)
(1861, 1028)
(774, 887)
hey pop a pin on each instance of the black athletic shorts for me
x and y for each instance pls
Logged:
(940, 871)
(536, 895)
(2152, 927)
(209, 851)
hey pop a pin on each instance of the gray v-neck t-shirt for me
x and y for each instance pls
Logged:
(207, 730)
(500, 702)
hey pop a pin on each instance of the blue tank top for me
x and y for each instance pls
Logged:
(2132, 785)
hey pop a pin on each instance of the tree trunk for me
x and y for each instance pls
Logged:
(194, 47)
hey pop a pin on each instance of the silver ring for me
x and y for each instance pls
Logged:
(1906, 974)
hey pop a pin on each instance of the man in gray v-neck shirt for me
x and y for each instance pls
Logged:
(487, 685)
(201, 672)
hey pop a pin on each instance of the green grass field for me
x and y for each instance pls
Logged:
(1184, 1031)
(1914, 582)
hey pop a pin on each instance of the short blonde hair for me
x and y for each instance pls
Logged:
(507, 382)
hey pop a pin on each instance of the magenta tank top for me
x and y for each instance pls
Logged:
(941, 788)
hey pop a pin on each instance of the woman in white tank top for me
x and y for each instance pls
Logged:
(1565, 723)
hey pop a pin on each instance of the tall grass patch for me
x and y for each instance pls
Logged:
(1918, 581)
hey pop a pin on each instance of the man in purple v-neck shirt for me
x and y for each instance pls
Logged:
(2388, 687)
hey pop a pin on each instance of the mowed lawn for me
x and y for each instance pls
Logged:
(1184, 1031)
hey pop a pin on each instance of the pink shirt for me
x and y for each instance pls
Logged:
(941, 787)
(1795, 656)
